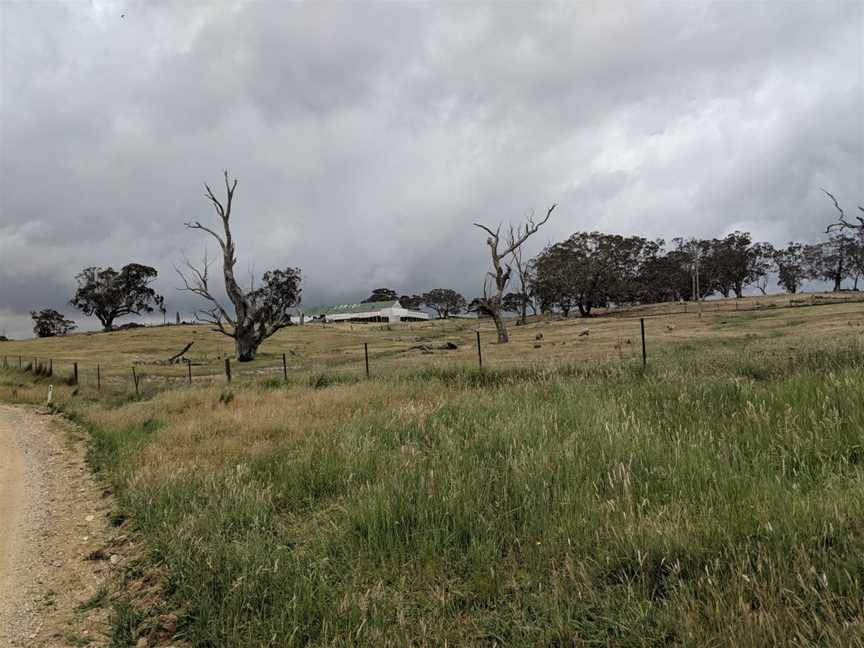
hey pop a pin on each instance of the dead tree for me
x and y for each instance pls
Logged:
(843, 223)
(258, 312)
(523, 272)
(496, 280)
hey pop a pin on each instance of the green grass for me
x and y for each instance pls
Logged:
(714, 499)
(99, 598)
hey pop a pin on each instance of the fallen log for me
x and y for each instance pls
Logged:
(176, 358)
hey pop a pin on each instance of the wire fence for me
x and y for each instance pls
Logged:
(736, 305)
(189, 372)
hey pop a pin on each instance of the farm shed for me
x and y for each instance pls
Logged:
(390, 311)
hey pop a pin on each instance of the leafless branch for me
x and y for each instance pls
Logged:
(524, 231)
(199, 226)
(842, 223)
(491, 233)
(197, 284)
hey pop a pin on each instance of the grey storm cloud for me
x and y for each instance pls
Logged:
(368, 137)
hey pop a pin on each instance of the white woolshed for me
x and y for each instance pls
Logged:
(391, 311)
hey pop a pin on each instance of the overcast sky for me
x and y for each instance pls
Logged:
(367, 137)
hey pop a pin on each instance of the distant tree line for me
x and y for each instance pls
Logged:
(594, 269)
(586, 271)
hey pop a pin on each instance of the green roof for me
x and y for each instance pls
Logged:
(346, 309)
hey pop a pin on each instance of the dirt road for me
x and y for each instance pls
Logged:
(53, 516)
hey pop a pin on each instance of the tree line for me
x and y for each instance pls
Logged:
(594, 269)
(586, 271)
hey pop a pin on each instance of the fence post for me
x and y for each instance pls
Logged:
(50, 366)
(228, 370)
(189, 367)
(19, 362)
(644, 355)
(75, 372)
(366, 355)
(135, 380)
(284, 368)
(479, 352)
(98, 378)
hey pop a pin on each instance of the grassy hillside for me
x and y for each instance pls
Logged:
(562, 496)
(338, 349)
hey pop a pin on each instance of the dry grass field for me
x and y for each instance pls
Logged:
(562, 496)
(338, 348)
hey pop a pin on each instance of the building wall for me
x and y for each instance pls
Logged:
(392, 314)
(388, 314)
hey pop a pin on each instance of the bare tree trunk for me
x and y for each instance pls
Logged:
(245, 345)
(492, 303)
(246, 339)
(501, 328)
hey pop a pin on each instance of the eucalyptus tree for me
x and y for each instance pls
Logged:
(381, 295)
(591, 270)
(50, 323)
(789, 263)
(496, 281)
(830, 260)
(258, 312)
(109, 294)
(445, 302)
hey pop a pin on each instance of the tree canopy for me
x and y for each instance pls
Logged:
(789, 263)
(591, 269)
(109, 294)
(444, 301)
(50, 323)
(381, 295)
(411, 302)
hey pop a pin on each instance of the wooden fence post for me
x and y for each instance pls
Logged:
(284, 368)
(228, 370)
(479, 352)
(75, 373)
(50, 366)
(135, 380)
(644, 355)
(189, 368)
(366, 355)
